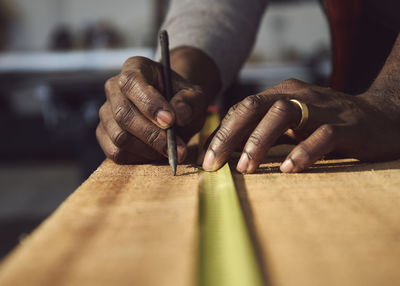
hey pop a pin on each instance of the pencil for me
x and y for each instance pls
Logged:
(171, 140)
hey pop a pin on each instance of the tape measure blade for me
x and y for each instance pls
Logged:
(227, 256)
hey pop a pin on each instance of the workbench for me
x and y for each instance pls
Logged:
(337, 223)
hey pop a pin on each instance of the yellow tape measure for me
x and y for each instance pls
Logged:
(227, 256)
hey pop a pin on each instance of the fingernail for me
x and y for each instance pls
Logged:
(184, 112)
(243, 163)
(209, 161)
(287, 166)
(164, 118)
(181, 153)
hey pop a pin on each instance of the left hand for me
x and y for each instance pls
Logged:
(350, 125)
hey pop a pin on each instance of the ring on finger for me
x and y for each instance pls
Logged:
(304, 114)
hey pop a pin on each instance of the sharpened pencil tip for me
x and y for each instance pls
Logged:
(173, 167)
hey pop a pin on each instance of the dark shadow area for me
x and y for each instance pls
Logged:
(13, 231)
(248, 215)
(324, 166)
(192, 154)
(337, 167)
(354, 166)
(191, 172)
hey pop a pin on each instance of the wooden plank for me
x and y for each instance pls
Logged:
(337, 224)
(126, 225)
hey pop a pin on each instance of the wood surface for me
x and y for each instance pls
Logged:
(336, 224)
(126, 225)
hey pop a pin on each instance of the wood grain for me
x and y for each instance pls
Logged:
(126, 225)
(334, 225)
(337, 224)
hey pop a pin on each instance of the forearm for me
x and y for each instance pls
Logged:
(197, 68)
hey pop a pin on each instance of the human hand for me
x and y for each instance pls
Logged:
(135, 116)
(351, 125)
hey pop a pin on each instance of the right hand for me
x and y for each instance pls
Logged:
(135, 116)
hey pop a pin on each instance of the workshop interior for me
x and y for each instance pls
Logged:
(55, 56)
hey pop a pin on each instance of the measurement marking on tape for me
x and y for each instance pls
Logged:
(227, 256)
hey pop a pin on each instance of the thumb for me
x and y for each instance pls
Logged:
(188, 104)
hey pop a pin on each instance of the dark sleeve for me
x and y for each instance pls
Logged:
(386, 12)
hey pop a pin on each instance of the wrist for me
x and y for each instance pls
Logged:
(197, 68)
(383, 100)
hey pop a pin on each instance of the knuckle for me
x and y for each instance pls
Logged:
(292, 83)
(281, 107)
(251, 155)
(142, 97)
(231, 111)
(138, 60)
(107, 85)
(120, 138)
(246, 106)
(135, 61)
(102, 112)
(116, 155)
(250, 103)
(155, 138)
(328, 131)
(256, 139)
(98, 133)
(128, 80)
(131, 60)
(124, 115)
(223, 134)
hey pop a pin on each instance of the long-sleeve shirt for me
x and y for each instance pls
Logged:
(224, 29)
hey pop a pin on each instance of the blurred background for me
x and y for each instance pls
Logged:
(55, 56)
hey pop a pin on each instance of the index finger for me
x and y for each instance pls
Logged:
(237, 125)
(139, 81)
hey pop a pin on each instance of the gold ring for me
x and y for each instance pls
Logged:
(304, 114)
